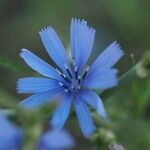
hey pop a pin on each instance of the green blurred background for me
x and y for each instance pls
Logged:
(127, 21)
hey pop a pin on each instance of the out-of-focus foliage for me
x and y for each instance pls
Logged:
(126, 21)
(128, 105)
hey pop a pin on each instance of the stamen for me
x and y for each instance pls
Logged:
(79, 79)
(61, 84)
(63, 75)
(76, 72)
(72, 87)
(66, 79)
(85, 73)
(75, 68)
(66, 90)
(68, 71)
(58, 71)
(78, 87)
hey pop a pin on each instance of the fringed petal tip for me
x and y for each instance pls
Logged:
(25, 53)
(18, 89)
(82, 22)
(24, 50)
(45, 29)
(76, 20)
(116, 50)
(18, 86)
(118, 47)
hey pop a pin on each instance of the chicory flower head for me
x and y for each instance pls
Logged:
(73, 81)
(56, 140)
(10, 135)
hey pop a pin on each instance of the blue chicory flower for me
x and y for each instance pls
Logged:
(10, 135)
(70, 82)
(11, 138)
(56, 140)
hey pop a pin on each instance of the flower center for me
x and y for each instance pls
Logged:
(75, 85)
(73, 80)
(72, 86)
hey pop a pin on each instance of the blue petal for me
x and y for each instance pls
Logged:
(93, 100)
(54, 47)
(108, 57)
(61, 113)
(39, 65)
(56, 140)
(35, 85)
(101, 79)
(84, 117)
(7, 128)
(82, 39)
(42, 98)
(10, 135)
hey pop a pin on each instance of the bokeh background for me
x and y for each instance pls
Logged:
(127, 21)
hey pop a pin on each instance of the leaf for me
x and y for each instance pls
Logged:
(12, 65)
(123, 86)
(138, 73)
(7, 100)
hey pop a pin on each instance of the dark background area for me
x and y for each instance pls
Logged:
(127, 21)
